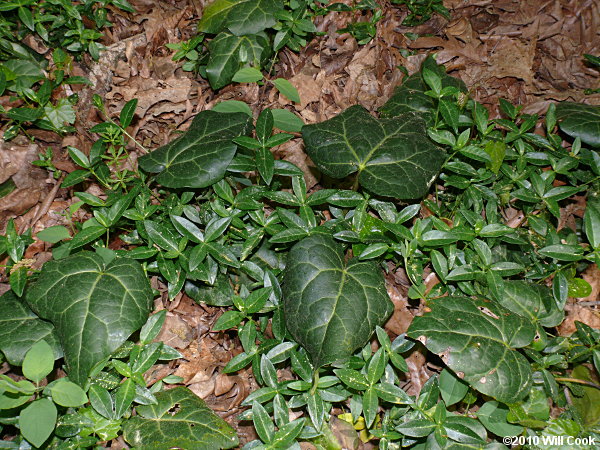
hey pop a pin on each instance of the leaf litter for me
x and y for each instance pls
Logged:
(529, 53)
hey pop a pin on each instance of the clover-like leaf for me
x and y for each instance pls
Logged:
(532, 301)
(580, 120)
(239, 16)
(392, 157)
(332, 307)
(476, 339)
(20, 328)
(94, 307)
(410, 96)
(229, 52)
(200, 157)
(179, 419)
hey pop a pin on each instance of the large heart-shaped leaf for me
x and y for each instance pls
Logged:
(332, 307)
(532, 301)
(20, 328)
(580, 120)
(476, 339)
(229, 52)
(94, 307)
(410, 96)
(393, 157)
(179, 419)
(239, 16)
(200, 157)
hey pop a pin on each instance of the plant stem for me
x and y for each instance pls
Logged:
(576, 380)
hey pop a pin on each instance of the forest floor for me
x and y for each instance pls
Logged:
(527, 52)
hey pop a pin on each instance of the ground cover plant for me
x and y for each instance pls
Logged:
(468, 208)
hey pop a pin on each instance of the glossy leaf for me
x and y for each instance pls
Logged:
(20, 328)
(94, 307)
(331, 307)
(392, 157)
(179, 419)
(410, 96)
(200, 157)
(476, 339)
(229, 52)
(239, 16)
(580, 121)
(531, 301)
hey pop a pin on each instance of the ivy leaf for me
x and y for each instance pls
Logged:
(331, 307)
(410, 96)
(531, 301)
(239, 16)
(94, 307)
(476, 338)
(200, 157)
(580, 121)
(180, 419)
(20, 328)
(60, 114)
(393, 157)
(228, 52)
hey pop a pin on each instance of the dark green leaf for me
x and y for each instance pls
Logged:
(225, 61)
(232, 106)
(94, 307)
(20, 328)
(327, 302)
(579, 120)
(200, 157)
(393, 157)
(85, 236)
(477, 338)
(563, 252)
(532, 301)
(180, 419)
(128, 112)
(239, 16)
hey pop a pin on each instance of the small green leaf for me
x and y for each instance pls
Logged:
(102, 402)
(287, 121)
(128, 112)
(54, 234)
(562, 252)
(66, 393)
(591, 219)
(232, 106)
(497, 152)
(287, 89)
(38, 362)
(247, 75)
(152, 327)
(37, 421)
(229, 319)
(262, 423)
(124, 397)
(452, 388)
(87, 235)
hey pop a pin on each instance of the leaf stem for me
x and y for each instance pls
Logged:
(576, 380)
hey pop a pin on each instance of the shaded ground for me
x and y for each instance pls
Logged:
(529, 53)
